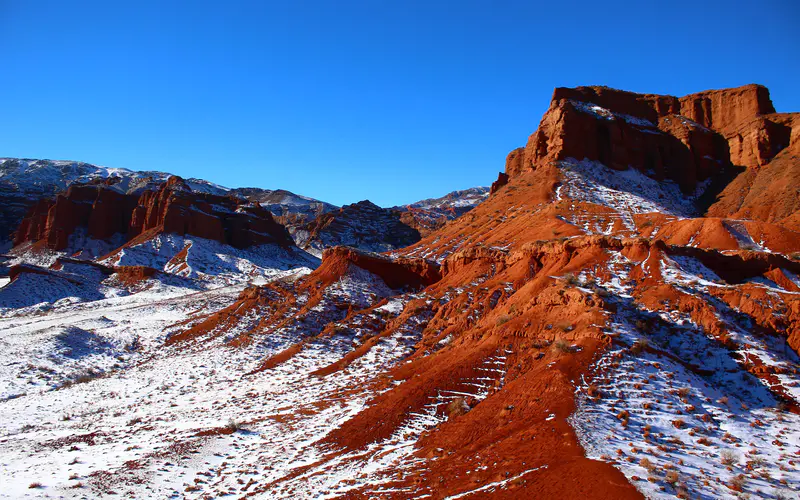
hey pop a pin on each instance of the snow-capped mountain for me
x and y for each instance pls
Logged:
(285, 203)
(47, 177)
(461, 199)
(369, 227)
(429, 215)
(25, 181)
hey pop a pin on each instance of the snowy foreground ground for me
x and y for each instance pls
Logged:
(94, 402)
(661, 417)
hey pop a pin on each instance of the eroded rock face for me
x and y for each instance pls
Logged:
(173, 208)
(732, 136)
(502, 180)
(685, 139)
(101, 211)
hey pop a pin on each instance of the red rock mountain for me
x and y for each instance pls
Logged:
(172, 208)
(687, 139)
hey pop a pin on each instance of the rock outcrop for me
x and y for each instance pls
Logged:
(686, 139)
(502, 180)
(714, 134)
(103, 212)
(429, 215)
(397, 273)
(173, 208)
(363, 225)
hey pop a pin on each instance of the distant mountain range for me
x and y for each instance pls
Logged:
(24, 181)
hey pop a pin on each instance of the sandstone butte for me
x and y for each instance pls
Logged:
(518, 275)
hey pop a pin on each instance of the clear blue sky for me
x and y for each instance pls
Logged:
(345, 100)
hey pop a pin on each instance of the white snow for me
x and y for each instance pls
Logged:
(688, 401)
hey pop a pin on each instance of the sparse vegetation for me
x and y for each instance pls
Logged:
(737, 483)
(648, 465)
(672, 477)
(728, 457)
(35, 486)
(503, 319)
(457, 407)
(639, 346)
(562, 346)
(87, 376)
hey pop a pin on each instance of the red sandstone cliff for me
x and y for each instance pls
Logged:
(173, 208)
(686, 139)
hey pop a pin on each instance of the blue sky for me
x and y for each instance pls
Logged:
(393, 101)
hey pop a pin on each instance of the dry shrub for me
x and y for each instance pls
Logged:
(562, 345)
(728, 457)
(234, 425)
(639, 346)
(737, 483)
(648, 465)
(457, 407)
(503, 319)
(672, 477)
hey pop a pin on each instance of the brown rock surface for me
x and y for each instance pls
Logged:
(684, 139)
(688, 139)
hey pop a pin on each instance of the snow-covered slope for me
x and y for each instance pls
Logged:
(285, 203)
(465, 198)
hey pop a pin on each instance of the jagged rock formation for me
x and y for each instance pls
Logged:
(369, 227)
(398, 273)
(173, 208)
(502, 180)
(24, 182)
(689, 140)
(363, 225)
